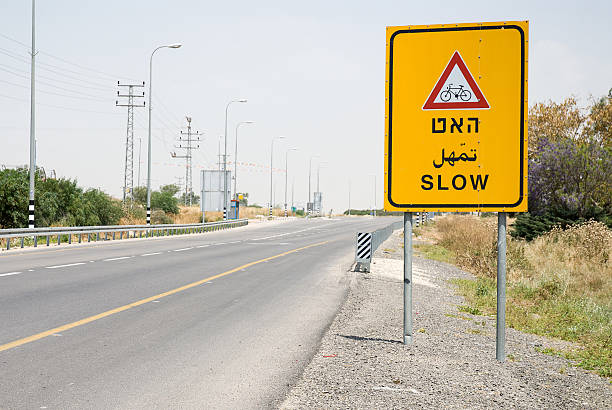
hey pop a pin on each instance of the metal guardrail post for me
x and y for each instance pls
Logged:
(137, 231)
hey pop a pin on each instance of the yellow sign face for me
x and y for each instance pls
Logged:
(456, 117)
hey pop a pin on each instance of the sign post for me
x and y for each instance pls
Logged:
(407, 278)
(455, 130)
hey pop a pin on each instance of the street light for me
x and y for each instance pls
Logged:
(176, 45)
(236, 156)
(242, 100)
(318, 172)
(309, 174)
(32, 169)
(349, 192)
(286, 161)
(374, 209)
(271, 163)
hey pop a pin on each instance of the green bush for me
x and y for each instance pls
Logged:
(58, 201)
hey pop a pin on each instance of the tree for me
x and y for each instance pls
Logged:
(191, 198)
(570, 158)
(14, 188)
(554, 121)
(165, 201)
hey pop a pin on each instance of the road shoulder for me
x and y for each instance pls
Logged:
(361, 362)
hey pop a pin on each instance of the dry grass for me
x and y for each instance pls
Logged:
(559, 285)
(192, 214)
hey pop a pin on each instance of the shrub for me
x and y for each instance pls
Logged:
(158, 217)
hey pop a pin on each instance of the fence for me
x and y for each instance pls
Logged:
(121, 231)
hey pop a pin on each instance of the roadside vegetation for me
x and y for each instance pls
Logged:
(558, 285)
(559, 256)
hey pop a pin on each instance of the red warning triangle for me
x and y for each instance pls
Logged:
(456, 89)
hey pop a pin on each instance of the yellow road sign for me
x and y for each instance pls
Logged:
(456, 117)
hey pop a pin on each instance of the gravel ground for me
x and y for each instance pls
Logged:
(362, 363)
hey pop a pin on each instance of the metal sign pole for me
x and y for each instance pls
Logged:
(500, 342)
(407, 278)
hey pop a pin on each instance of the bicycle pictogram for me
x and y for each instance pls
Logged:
(457, 92)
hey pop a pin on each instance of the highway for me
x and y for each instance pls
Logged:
(223, 319)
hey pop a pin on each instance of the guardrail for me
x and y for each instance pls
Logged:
(122, 231)
(368, 242)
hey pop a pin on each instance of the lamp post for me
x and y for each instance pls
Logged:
(271, 164)
(178, 45)
(374, 208)
(32, 125)
(309, 175)
(236, 156)
(318, 172)
(243, 100)
(286, 168)
(349, 192)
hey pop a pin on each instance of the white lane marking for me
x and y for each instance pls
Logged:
(30, 270)
(286, 233)
(221, 243)
(151, 254)
(10, 273)
(269, 243)
(233, 242)
(65, 266)
(181, 250)
(202, 246)
(117, 259)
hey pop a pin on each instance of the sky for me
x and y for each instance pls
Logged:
(312, 72)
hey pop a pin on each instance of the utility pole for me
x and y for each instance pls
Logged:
(128, 176)
(32, 124)
(139, 150)
(186, 141)
(292, 192)
(349, 210)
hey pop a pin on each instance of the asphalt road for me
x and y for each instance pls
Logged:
(217, 320)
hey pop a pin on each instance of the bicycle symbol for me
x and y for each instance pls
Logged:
(457, 92)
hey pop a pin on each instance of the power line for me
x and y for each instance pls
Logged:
(46, 83)
(40, 65)
(56, 94)
(59, 106)
(27, 73)
(64, 60)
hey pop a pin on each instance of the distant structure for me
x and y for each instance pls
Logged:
(188, 141)
(128, 176)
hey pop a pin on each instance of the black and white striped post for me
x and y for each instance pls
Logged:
(224, 213)
(363, 255)
(148, 215)
(31, 214)
(270, 211)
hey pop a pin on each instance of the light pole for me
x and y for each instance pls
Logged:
(349, 209)
(32, 125)
(286, 168)
(271, 164)
(318, 172)
(309, 175)
(242, 100)
(374, 209)
(178, 45)
(236, 156)
(139, 151)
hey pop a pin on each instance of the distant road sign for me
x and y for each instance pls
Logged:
(456, 117)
